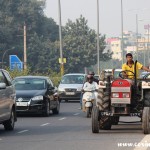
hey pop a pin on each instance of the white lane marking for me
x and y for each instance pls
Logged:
(62, 118)
(23, 131)
(76, 114)
(145, 141)
(45, 124)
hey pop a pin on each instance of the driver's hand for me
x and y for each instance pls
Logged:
(125, 75)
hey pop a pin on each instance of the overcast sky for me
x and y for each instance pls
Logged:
(110, 16)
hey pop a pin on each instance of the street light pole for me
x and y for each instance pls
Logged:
(122, 41)
(60, 38)
(137, 55)
(98, 49)
(25, 47)
(148, 26)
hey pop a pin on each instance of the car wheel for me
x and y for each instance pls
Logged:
(9, 124)
(56, 110)
(46, 109)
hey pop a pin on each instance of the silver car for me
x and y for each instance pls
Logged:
(70, 86)
(7, 101)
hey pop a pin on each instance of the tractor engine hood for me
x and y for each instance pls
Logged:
(121, 91)
(122, 83)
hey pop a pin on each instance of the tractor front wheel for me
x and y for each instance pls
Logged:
(146, 120)
(103, 100)
(95, 120)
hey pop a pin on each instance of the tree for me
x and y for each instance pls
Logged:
(79, 45)
(43, 54)
(13, 15)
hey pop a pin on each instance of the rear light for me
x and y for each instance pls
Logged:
(115, 95)
(126, 95)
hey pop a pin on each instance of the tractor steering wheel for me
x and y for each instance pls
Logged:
(124, 72)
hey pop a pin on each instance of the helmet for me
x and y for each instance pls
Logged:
(91, 73)
(89, 77)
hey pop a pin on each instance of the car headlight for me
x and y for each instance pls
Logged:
(36, 98)
(115, 95)
(145, 83)
(79, 89)
(61, 89)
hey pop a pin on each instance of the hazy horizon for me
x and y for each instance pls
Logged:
(110, 13)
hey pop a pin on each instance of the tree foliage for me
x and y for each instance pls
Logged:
(80, 45)
(13, 15)
(79, 41)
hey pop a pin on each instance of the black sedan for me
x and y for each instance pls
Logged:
(36, 94)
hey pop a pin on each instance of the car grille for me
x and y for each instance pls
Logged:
(22, 108)
(24, 99)
(70, 90)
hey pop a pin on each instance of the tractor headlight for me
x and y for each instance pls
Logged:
(115, 95)
(125, 95)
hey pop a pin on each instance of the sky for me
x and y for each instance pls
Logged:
(109, 14)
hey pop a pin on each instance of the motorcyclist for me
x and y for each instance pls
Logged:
(94, 79)
(90, 74)
(90, 85)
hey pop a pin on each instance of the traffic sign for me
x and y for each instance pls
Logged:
(15, 63)
(62, 60)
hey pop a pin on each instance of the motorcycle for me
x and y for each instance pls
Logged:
(89, 97)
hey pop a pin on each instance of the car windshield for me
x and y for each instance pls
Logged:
(29, 84)
(143, 74)
(72, 79)
(96, 77)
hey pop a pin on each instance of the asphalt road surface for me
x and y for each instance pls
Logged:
(71, 130)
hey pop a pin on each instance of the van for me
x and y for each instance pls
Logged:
(70, 86)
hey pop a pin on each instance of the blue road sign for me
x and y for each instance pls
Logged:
(15, 63)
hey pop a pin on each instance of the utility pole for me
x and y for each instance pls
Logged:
(148, 26)
(98, 49)
(60, 38)
(25, 46)
(122, 40)
(144, 51)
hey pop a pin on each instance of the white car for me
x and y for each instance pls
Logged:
(115, 72)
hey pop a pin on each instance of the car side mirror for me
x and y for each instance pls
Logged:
(51, 88)
(2, 86)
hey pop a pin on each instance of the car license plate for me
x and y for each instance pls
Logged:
(22, 103)
(70, 93)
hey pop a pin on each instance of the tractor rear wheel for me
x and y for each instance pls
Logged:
(103, 101)
(146, 120)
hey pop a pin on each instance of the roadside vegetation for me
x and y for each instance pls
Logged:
(79, 40)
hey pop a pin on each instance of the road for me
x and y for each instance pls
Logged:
(70, 130)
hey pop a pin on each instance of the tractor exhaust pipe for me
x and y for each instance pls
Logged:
(135, 78)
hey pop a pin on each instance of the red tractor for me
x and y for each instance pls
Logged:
(121, 97)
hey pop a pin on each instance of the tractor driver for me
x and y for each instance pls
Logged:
(129, 65)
